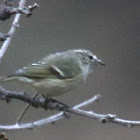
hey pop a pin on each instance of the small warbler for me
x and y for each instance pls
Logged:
(57, 73)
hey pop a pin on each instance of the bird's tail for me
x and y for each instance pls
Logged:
(6, 78)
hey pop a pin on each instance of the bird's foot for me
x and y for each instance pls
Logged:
(51, 103)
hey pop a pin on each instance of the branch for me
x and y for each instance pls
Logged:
(25, 109)
(45, 121)
(104, 118)
(3, 36)
(65, 111)
(12, 30)
(6, 12)
(36, 102)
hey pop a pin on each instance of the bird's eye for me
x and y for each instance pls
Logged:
(90, 57)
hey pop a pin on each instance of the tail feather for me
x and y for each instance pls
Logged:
(6, 78)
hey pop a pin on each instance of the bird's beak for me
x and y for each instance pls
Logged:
(98, 61)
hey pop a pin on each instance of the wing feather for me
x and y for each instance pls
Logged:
(59, 66)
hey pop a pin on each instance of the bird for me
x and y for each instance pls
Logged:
(57, 73)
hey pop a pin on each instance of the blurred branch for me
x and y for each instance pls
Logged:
(3, 136)
(7, 9)
(3, 36)
(6, 12)
(11, 31)
(65, 111)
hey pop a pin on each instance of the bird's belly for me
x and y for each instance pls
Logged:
(56, 87)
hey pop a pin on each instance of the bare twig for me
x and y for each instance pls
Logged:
(28, 10)
(45, 121)
(12, 30)
(36, 102)
(32, 7)
(8, 2)
(22, 113)
(104, 118)
(7, 10)
(25, 110)
(3, 36)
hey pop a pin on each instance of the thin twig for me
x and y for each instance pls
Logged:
(12, 30)
(25, 110)
(45, 121)
(3, 36)
(36, 102)
(104, 118)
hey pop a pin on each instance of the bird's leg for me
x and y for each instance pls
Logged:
(52, 103)
(47, 100)
(56, 101)
(62, 107)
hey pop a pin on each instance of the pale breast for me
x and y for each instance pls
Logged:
(56, 87)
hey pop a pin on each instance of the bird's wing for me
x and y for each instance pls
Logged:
(61, 66)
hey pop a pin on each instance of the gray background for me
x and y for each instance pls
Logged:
(111, 29)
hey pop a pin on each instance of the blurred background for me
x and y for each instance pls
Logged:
(111, 30)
